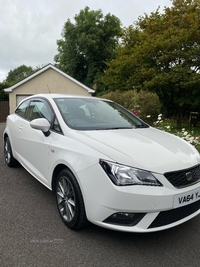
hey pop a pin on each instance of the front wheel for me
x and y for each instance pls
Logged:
(8, 156)
(70, 201)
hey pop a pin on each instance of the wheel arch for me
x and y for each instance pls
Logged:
(80, 220)
(56, 171)
(5, 136)
(11, 161)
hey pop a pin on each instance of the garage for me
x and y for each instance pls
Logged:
(48, 79)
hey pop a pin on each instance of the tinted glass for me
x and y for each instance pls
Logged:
(39, 109)
(94, 114)
(22, 108)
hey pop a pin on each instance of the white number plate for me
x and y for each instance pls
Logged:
(186, 198)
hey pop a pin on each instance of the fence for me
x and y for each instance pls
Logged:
(4, 110)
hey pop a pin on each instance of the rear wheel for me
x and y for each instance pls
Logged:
(70, 201)
(8, 155)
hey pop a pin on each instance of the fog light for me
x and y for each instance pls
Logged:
(125, 218)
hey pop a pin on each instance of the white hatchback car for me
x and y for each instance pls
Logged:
(104, 164)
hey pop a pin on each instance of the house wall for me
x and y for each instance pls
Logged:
(49, 81)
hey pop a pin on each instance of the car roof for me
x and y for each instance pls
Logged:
(53, 96)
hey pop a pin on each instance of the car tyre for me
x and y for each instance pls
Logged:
(70, 201)
(8, 155)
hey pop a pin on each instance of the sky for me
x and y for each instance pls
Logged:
(29, 29)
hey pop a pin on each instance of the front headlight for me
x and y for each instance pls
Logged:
(125, 175)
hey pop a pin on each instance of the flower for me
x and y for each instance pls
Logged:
(188, 136)
(135, 111)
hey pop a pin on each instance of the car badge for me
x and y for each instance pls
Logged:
(189, 176)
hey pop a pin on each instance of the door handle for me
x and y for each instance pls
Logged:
(21, 127)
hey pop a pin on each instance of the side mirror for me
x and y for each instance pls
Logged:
(42, 125)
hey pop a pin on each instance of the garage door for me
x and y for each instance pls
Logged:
(20, 98)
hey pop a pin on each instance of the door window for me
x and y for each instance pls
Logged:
(22, 109)
(39, 109)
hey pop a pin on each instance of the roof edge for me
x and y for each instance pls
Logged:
(10, 89)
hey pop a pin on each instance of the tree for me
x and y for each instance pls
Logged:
(18, 74)
(3, 95)
(121, 70)
(164, 51)
(87, 44)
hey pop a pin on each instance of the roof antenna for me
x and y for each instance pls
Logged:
(48, 89)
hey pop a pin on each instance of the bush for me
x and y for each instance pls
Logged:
(125, 99)
(143, 102)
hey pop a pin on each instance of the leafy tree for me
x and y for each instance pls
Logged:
(18, 74)
(87, 44)
(120, 74)
(3, 95)
(161, 53)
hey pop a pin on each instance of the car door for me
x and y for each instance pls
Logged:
(33, 145)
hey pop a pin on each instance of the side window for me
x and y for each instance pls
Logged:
(35, 109)
(22, 109)
(39, 109)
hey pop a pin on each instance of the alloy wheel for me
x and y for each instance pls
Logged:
(7, 151)
(66, 199)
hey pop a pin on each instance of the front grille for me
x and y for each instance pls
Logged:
(174, 215)
(184, 178)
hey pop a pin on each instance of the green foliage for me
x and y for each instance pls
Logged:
(86, 45)
(160, 53)
(188, 133)
(3, 95)
(126, 99)
(18, 74)
(148, 103)
(143, 102)
(121, 73)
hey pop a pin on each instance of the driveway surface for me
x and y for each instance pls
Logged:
(33, 235)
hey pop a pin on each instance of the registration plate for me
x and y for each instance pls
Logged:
(186, 198)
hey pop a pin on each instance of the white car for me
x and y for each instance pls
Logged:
(104, 164)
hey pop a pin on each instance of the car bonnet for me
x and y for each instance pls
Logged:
(147, 148)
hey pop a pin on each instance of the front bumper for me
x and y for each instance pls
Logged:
(152, 208)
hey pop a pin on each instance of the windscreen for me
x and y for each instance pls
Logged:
(96, 114)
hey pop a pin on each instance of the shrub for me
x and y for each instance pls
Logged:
(148, 104)
(143, 102)
(125, 99)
